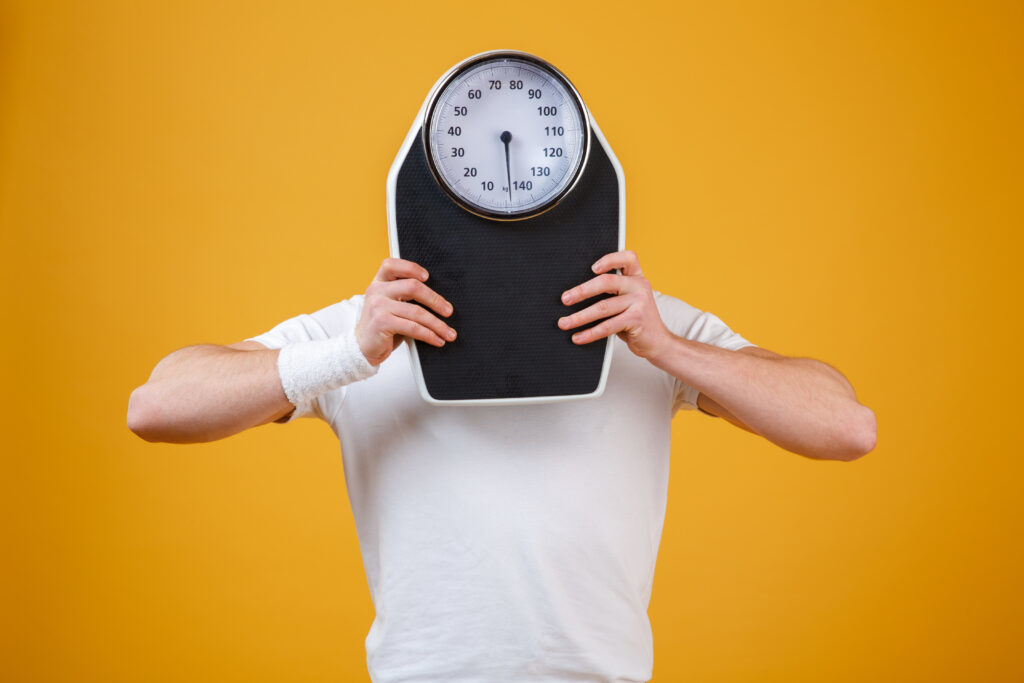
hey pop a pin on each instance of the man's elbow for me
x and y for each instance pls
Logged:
(143, 419)
(862, 434)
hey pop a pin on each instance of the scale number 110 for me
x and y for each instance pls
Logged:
(554, 130)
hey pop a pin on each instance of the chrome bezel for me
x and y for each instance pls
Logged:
(455, 72)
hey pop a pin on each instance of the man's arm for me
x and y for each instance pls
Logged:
(800, 404)
(708, 406)
(208, 392)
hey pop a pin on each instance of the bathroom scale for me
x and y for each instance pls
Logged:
(506, 191)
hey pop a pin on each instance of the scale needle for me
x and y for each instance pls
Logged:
(506, 137)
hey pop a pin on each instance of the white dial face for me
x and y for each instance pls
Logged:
(507, 136)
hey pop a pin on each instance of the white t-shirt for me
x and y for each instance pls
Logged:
(507, 543)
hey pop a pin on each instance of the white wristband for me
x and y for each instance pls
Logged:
(311, 368)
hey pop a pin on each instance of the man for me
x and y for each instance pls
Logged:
(505, 543)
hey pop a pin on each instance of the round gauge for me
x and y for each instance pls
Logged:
(506, 135)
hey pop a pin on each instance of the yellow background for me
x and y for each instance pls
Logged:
(835, 180)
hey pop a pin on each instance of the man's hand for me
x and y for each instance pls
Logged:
(631, 313)
(387, 313)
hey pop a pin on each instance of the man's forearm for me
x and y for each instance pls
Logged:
(207, 392)
(800, 404)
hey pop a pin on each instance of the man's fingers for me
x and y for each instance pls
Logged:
(409, 328)
(422, 316)
(601, 330)
(605, 308)
(414, 290)
(397, 269)
(602, 284)
(627, 261)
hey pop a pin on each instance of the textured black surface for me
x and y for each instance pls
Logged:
(505, 281)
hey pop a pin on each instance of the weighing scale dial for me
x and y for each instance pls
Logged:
(506, 135)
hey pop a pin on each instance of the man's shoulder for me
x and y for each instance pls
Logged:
(345, 306)
(330, 321)
(340, 316)
(676, 313)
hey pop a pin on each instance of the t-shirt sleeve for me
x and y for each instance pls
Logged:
(688, 322)
(326, 323)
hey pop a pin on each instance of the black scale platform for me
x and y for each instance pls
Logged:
(505, 281)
